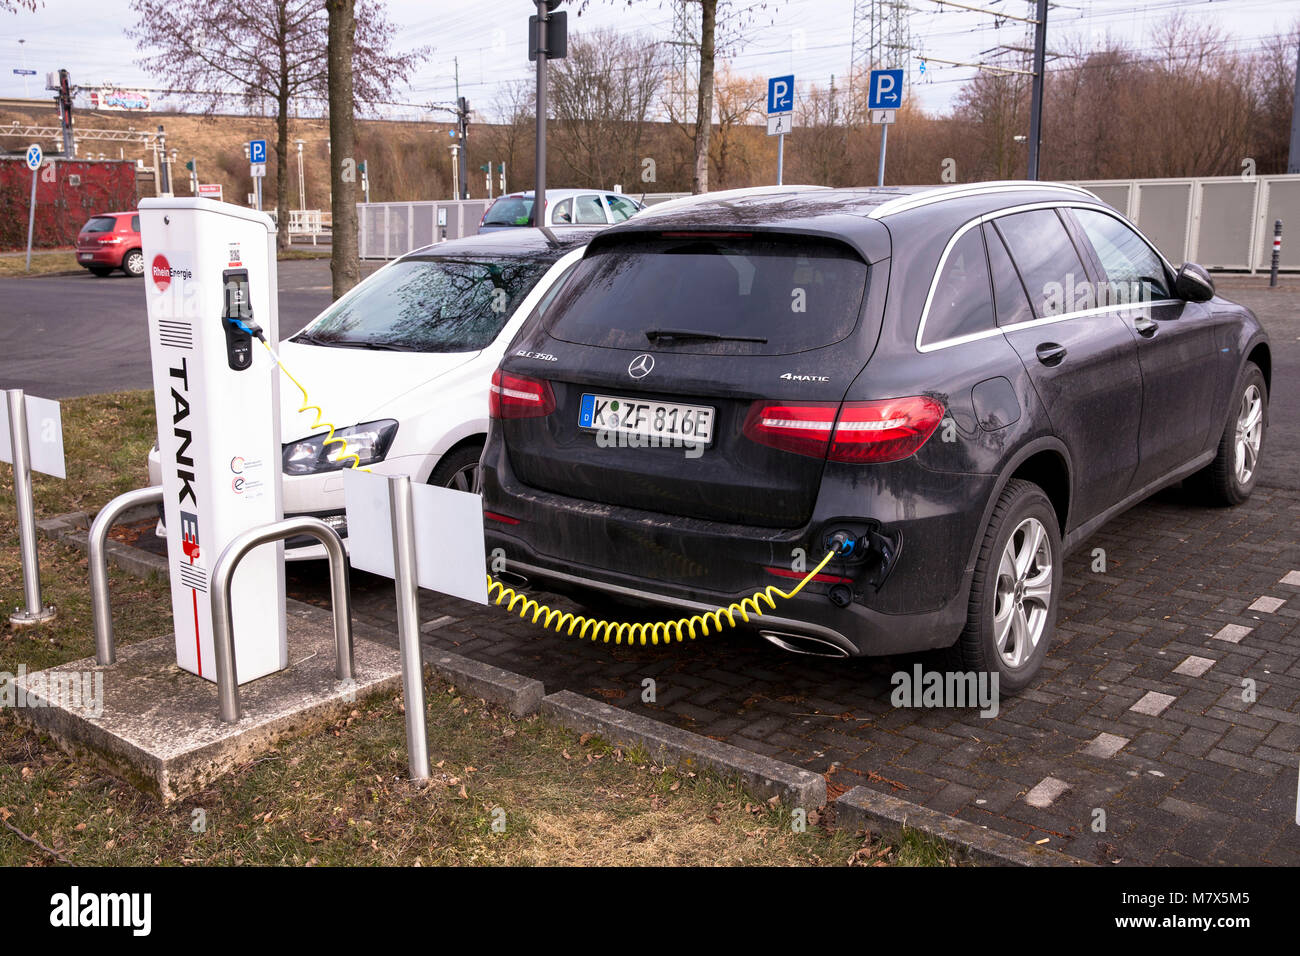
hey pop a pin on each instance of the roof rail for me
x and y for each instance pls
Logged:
(941, 193)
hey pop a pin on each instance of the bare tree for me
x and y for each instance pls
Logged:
(601, 95)
(265, 50)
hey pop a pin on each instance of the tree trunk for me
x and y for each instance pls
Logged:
(704, 107)
(344, 261)
(282, 173)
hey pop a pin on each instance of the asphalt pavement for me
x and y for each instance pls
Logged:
(68, 335)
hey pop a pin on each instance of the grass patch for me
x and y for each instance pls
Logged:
(43, 263)
(505, 791)
(302, 254)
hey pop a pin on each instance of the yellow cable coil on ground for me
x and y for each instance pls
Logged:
(679, 629)
(320, 422)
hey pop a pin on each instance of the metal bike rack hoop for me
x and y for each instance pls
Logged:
(223, 629)
(101, 608)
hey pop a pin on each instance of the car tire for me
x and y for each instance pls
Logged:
(1230, 478)
(459, 468)
(133, 263)
(1015, 590)
(100, 271)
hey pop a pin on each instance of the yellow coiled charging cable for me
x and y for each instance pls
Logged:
(567, 623)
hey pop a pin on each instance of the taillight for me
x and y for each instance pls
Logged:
(513, 396)
(861, 433)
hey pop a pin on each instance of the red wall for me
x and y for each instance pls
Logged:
(61, 208)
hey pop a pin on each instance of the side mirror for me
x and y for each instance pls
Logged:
(1193, 283)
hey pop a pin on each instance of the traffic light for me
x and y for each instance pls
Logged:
(189, 164)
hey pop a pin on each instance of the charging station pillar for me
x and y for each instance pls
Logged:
(217, 398)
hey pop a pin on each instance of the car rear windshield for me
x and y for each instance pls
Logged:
(100, 224)
(730, 295)
(510, 211)
(429, 305)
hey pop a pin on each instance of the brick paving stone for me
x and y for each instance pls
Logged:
(1105, 745)
(1044, 794)
(1232, 633)
(1268, 605)
(1194, 666)
(1153, 703)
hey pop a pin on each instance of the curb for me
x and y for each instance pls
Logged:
(522, 695)
(860, 808)
(887, 816)
(763, 776)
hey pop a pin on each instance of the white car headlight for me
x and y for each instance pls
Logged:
(369, 441)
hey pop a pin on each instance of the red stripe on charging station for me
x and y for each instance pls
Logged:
(198, 649)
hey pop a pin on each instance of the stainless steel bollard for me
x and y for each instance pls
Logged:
(408, 625)
(36, 612)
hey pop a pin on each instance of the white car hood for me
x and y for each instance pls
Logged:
(352, 385)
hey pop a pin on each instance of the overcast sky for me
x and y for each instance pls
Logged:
(810, 38)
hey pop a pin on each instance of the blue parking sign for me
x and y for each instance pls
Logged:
(886, 90)
(257, 151)
(780, 94)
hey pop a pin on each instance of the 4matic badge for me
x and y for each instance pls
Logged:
(792, 377)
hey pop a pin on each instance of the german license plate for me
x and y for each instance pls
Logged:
(661, 420)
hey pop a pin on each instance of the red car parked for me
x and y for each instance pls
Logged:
(111, 241)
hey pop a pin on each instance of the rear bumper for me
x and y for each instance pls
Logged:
(100, 258)
(573, 546)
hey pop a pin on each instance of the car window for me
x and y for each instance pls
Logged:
(563, 213)
(1009, 297)
(1133, 270)
(509, 211)
(621, 208)
(100, 224)
(733, 296)
(135, 223)
(960, 303)
(430, 305)
(589, 210)
(1046, 259)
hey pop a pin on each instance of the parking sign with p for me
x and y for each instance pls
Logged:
(886, 90)
(780, 94)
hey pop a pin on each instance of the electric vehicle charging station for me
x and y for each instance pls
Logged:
(216, 396)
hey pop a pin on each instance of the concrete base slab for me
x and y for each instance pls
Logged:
(156, 726)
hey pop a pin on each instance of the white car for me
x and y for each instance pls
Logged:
(564, 207)
(402, 364)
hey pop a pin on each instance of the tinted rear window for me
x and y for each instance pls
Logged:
(100, 224)
(1046, 259)
(794, 292)
(509, 211)
(429, 305)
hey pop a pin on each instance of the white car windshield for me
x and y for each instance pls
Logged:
(429, 305)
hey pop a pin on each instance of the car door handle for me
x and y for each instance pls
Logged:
(1146, 327)
(1050, 354)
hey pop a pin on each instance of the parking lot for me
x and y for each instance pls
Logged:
(1138, 726)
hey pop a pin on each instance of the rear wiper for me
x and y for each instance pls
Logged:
(655, 335)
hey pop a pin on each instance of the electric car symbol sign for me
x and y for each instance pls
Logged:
(641, 366)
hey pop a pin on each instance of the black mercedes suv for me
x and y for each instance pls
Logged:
(950, 387)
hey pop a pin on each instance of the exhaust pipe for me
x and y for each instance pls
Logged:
(803, 644)
(511, 579)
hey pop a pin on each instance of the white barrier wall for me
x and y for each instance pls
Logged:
(1220, 222)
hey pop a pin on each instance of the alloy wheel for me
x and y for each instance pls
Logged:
(1024, 593)
(1250, 432)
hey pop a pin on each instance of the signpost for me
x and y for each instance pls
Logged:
(34, 158)
(210, 190)
(884, 96)
(780, 110)
(31, 439)
(257, 167)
